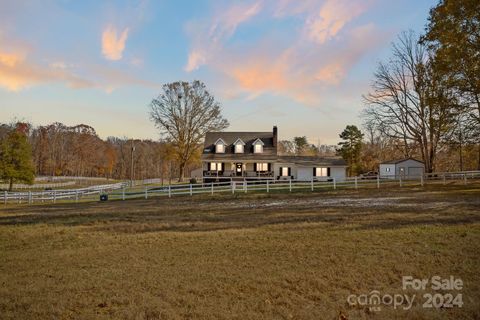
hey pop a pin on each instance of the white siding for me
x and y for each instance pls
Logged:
(339, 173)
(304, 173)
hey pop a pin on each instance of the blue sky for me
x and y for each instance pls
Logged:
(300, 65)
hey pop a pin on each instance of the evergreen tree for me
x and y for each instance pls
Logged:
(16, 163)
(350, 148)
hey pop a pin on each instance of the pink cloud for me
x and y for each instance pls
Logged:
(332, 18)
(113, 44)
(208, 37)
(303, 69)
(17, 73)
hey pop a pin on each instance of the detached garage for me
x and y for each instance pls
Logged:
(405, 168)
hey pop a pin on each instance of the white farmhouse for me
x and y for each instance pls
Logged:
(253, 155)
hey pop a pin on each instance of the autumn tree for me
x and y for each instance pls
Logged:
(350, 147)
(16, 159)
(453, 34)
(183, 113)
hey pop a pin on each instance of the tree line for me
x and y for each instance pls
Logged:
(60, 150)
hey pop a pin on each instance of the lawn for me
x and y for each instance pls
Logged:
(243, 256)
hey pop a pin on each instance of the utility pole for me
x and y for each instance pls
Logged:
(131, 163)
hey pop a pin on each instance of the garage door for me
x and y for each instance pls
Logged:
(415, 171)
(304, 174)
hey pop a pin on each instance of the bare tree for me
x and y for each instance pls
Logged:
(184, 112)
(409, 102)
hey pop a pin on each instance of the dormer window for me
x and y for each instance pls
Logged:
(239, 146)
(258, 146)
(220, 146)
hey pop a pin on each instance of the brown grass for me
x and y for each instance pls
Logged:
(254, 256)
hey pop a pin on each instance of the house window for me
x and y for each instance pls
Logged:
(321, 172)
(239, 148)
(258, 148)
(284, 171)
(262, 166)
(215, 166)
(220, 148)
(387, 169)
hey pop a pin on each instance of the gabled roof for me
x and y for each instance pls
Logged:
(397, 161)
(219, 140)
(258, 141)
(239, 141)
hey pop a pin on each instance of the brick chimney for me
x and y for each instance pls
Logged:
(275, 136)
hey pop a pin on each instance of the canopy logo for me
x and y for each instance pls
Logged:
(374, 300)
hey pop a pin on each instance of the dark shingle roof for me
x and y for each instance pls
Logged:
(399, 160)
(247, 137)
(312, 160)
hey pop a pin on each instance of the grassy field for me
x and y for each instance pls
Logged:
(248, 256)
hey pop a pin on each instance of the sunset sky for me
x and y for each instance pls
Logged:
(300, 65)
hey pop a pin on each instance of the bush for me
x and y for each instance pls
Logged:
(193, 180)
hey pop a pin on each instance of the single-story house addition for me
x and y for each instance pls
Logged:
(405, 168)
(253, 155)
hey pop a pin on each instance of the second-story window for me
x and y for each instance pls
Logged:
(239, 148)
(220, 146)
(258, 146)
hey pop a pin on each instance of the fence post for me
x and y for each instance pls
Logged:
(378, 181)
(268, 189)
(191, 190)
(169, 191)
(146, 193)
(400, 180)
(233, 186)
(76, 195)
(212, 188)
(245, 186)
(29, 197)
(5, 198)
(356, 183)
(54, 196)
(334, 184)
(444, 179)
(421, 180)
(311, 184)
(123, 193)
(290, 184)
(464, 178)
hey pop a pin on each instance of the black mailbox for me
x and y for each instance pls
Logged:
(103, 197)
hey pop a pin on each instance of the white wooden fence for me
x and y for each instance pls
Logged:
(39, 185)
(88, 193)
(120, 191)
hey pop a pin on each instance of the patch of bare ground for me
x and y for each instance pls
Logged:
(247, 256)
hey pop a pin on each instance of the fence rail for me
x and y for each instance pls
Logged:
(121, 191)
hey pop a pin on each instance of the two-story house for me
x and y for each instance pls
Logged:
(254, 155)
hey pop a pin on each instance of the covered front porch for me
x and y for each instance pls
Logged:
(238, 169)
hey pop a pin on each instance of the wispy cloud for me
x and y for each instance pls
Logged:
(16, 73)
(208, 37)
(19, 70)
(319, 55)
(113, 44)
(331, 18)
